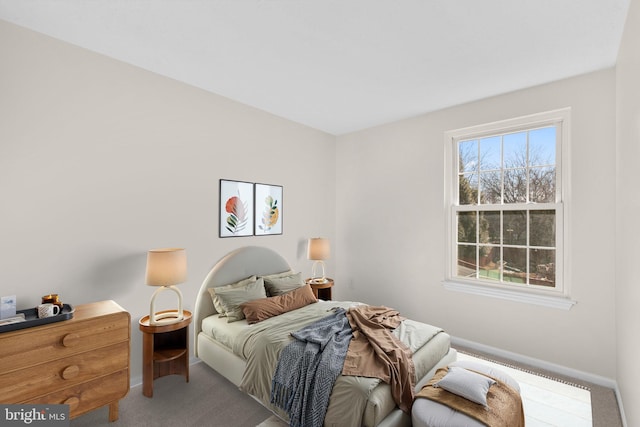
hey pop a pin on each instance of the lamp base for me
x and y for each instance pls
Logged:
(315, 278)
(169, 316)
(166, 317)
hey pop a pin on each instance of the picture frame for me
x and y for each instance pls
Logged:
(268, 209)
(236, 212)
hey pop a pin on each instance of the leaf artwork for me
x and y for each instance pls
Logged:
(237, 219)
(270, 214)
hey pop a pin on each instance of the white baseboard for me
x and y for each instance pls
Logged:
(620, 407)
(135, 381)
(551, 367)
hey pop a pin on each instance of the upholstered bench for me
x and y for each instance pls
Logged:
(431, 413)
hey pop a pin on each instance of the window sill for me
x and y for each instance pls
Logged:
(552, 301)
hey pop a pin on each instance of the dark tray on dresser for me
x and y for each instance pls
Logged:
(32, 319)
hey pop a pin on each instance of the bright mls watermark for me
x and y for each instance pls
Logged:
(34, 415)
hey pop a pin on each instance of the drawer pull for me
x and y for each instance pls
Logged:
(73, 402)
(70, 340)
(70, 372)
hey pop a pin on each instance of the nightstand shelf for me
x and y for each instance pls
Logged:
(169, 354)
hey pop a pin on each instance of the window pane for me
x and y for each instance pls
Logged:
(542, 184)
(468, 156)
(515, 150)
(489, 262)
(542, 146)
(468, 189)
(514, 267)
(467, 227)
(490, 227)
(490, 187)
(489, 274)
(542, 229)
(490, 153)
(515, 227)
(515, 186)
(542, 267)
(467, 261)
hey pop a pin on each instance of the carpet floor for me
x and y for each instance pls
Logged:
(207, 400)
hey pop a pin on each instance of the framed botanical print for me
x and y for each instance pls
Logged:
(268, 209)
(236, 208)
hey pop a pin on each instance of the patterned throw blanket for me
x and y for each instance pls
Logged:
(308, 368)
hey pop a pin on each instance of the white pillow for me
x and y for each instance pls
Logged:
(489, 371)
(468, 384)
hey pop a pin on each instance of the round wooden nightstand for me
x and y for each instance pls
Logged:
(165, 350)
(321, 290)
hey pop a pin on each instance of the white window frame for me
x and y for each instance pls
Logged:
(557, 297)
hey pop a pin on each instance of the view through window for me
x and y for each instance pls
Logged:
(507, 207)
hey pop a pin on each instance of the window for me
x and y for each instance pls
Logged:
(506, 228)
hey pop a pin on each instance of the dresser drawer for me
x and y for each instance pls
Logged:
(27, 347)
(91, 395)
(47, 377)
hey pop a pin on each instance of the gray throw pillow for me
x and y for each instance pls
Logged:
(232, 298)
(279, 284)
(216, 299)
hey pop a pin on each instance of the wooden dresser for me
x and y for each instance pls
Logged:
(82, 362)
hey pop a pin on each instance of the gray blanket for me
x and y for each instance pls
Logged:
(308, 368)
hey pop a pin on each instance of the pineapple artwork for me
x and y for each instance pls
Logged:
(237, 218)
(270, 214)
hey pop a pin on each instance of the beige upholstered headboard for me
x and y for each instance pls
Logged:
(236, 265)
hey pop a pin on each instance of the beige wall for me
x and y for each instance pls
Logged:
(628, 209)
(101, 161)
(392, 218)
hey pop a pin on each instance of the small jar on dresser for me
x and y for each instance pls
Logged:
(82, 362)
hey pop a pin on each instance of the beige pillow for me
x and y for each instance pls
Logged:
(261, 309)
(216, 299)
(232, 298)
(281, 283)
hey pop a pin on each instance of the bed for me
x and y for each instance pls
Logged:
(232, 348)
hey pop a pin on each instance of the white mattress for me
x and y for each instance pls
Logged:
(226, 334)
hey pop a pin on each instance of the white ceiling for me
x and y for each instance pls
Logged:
(342, 65)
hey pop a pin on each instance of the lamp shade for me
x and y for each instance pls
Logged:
(166, 267)
(318, 249)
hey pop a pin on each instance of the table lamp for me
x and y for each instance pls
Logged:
(318, 250)
(166, 268)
